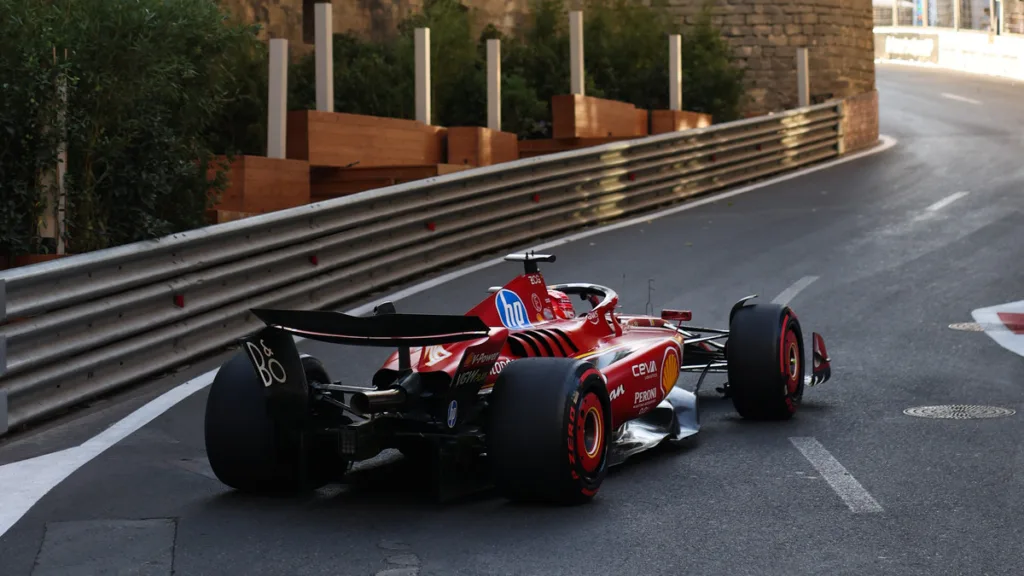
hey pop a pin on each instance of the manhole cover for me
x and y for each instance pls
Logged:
(967, 327)
(959, 412)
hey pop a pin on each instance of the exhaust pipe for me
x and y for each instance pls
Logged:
(373, 401)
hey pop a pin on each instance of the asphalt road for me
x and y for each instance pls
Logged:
(890, 275)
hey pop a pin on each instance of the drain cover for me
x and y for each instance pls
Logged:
(967, 327)
(959, 412)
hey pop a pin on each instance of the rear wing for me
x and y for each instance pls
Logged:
(401, 330)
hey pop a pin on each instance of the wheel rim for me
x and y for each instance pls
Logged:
(791, 361)
(590, 438)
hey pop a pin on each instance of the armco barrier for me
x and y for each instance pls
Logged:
(964, 50)
(92, 323)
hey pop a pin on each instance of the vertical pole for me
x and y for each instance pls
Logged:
(992, 17)
(422, 49)
(1001, 22)
(494, 84)
(895, 12)
(324, 39)
(956, 14)
(576, 52)
(675, 72)
(803, 86)
(51, 224)
(924, 13)
(277, 98)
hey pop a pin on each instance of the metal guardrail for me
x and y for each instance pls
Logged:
(92, 323)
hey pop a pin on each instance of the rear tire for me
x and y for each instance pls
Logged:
(765, 355)
(251, 451)
(549, 429)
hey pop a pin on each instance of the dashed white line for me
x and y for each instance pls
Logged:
(842, 482)
(946, 201)
(960, 98)
(788, 294)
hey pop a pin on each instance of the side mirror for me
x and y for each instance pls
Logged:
(677, 315)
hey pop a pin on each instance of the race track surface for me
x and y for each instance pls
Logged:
(888, 255)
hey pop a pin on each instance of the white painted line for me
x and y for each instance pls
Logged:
(946, 201)
(844, 484)
(960, 98)
(788, 294)
(28, 481)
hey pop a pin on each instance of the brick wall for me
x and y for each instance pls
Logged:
(860, 124)
(766, 33)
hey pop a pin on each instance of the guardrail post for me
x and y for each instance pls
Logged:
(803, 85)
(422, 49)
(576, 76)
(675, 72)
(324, 39)
(895, 12)
(494, 84)
(277, 98)
(956, 14)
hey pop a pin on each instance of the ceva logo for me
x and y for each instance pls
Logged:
(511, 310)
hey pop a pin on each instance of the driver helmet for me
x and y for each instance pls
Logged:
(562, 305)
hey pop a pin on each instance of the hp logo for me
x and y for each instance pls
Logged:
(511, 309)
(453, 413)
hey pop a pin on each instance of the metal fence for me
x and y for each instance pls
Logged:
(93, 323)
(973, 14)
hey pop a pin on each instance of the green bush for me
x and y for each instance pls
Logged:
(158, 86)
(626, 58)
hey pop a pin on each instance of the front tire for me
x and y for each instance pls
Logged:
(765, 356)
(549, 431)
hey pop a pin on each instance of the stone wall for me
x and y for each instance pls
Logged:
(766, 33)
(375, 19)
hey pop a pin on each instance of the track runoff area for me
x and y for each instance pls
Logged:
(908, 279)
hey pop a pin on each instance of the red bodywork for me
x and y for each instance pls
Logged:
(638, 356)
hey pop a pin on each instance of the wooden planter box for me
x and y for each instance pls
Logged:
(327, 183)
(472, 146)
(257, 185)
(663, 121)
(530, 148)
(575, 116)
(334, 139)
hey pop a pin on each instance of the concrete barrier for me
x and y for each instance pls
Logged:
(965, 50)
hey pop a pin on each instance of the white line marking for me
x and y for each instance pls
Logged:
(960, 98)
(28, 481)
(788, 294)
(844, 484)
(946, 201)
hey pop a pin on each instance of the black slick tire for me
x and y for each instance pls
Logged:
(765, 355)
(248, 449)
(549, 430)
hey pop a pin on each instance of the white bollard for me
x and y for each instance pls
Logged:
(803, 85)
(324, 39)
(956, 14)
(423, 75)
(494, 84)
(675, 72)
(576, 52)
(277, 99)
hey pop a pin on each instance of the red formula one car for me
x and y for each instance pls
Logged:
(538, 398)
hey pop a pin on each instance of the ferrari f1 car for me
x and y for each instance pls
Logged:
(540, 399)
